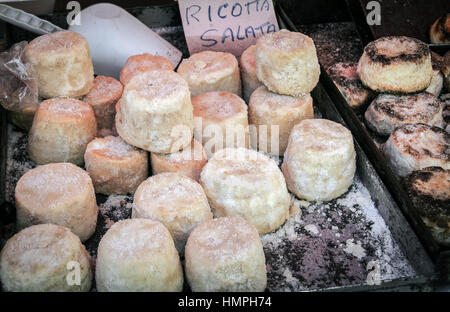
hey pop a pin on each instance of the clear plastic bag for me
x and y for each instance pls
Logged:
(18, 86)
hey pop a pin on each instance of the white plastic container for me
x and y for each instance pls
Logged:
(114, 35)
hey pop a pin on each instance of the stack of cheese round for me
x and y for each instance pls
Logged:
(155, 112)
(59, 193)
(274, 116)
(114, 166)
(320, 160)
(286, 64)
(62, 64)
(45, 257)
(176, 201)
(245, 183)
(211, 71)
(61, 130)
(138, 255)
(225, 254)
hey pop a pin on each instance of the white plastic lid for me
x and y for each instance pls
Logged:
(114, 35)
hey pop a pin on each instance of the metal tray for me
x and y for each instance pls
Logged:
(336, 245)
(365, 34)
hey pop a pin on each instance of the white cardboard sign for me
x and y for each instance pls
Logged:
(227, 26)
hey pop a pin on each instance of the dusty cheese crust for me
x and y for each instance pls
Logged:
(415, 146)
(211, 71)
(245, 183)
(218, 115)
(115, 166)
(59, 193)
(396, 64)
(176, 201)
(287, 63)
(268, 110)
(140, 63)
(189, 161)
(320, 160)
(225, 254)
(62, 63)
(387, 112)
(36, 259)
(61, 130)
(155, 112)
(138, 255)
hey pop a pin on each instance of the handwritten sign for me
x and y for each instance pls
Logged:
(227, 26)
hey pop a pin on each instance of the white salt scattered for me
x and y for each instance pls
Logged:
(355, 249)
(312, 229)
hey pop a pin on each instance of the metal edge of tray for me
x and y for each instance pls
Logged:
(378, 187)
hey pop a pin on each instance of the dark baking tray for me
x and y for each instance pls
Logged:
(362, 135)
(412, 18)
(405, 239)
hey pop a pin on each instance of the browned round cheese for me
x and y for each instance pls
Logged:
(396, 64)
(416, 146)
(387, 112)
(429, 190)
